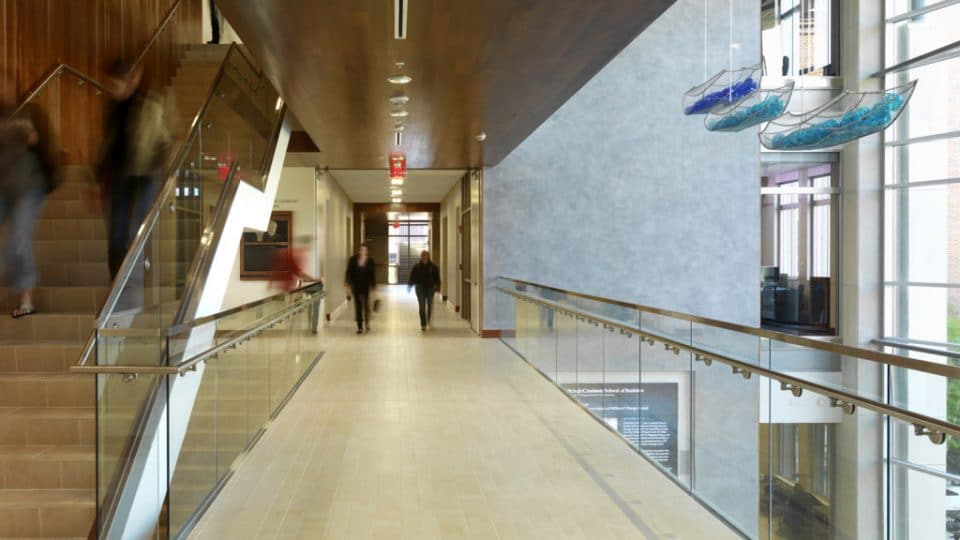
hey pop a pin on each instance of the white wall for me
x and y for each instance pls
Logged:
(335, 208)
(295, 194)
(450, 275)
(320, 210)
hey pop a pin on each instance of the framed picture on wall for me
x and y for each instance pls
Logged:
(259, 249)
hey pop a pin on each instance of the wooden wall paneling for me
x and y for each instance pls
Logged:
(88, 35)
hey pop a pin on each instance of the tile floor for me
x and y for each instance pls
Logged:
(399, 435)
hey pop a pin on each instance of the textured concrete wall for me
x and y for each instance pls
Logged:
(620, 195)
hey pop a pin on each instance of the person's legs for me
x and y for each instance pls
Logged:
(422, 307)
(119, 201)
(358, 301)
(147, 188)
(22, 265)
(429, 294)
(214, 23)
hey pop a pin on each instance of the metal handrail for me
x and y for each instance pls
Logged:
(934, 428)
(821, 345)
(190, 363)
(898, 343)
(180, 328)
(60, 68)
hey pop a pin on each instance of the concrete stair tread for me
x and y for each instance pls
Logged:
(49, 412)
(49, 452)
(35, 497)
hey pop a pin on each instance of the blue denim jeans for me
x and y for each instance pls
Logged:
(20, 212)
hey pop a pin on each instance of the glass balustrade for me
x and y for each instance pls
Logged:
(781, 436)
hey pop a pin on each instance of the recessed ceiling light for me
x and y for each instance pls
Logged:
(397, 200)
(400, 99)
(399, 114)
(399, 79)
(396, 192)
(396, 181)
(482, 136)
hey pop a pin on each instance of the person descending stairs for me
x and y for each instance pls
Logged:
(47, 417)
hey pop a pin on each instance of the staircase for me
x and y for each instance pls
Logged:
(47, 421)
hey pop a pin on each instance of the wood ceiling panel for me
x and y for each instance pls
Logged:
(499, 66)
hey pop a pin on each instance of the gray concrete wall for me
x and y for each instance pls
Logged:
(620, 195)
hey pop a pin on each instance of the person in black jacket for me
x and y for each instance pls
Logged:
(425, 276)
(361, 281)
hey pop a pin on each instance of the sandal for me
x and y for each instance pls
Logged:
(23, 311)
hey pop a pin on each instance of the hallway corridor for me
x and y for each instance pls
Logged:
(398, 435)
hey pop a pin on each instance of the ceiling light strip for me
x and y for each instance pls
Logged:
(400, 19)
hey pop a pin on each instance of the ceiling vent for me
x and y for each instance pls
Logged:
(400, 19)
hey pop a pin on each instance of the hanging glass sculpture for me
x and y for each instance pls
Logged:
(849, 116)
(762, 106)
(725, 89)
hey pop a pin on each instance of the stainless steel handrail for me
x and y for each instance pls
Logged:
(180, 328)
(826, 346)
(188, 364)
(932, 427)
(60, 68)
(906, 345)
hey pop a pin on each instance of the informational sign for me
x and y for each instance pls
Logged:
(658, 426)
(647, 416)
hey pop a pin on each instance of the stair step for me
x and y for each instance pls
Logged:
(48, 326)
(47, 467)
(55, 425)
(46, 390)
(38, 357)
(65, 513)
(55, 228)
(78, 299)
(74, 274)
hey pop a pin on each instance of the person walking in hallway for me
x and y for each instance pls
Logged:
(425, 276)
(361, 282)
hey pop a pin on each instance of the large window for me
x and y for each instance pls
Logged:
(800, 37)
(922, 249)
(799, 238)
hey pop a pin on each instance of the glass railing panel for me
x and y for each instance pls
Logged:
(810, 466)
(523, 327)
(567, 370)
(545, 343)
(506, 312)
(590, 366)
(621, 388)
(119, 405)
(665, 415)
(280, 351)
(730, 429)
(195, 467)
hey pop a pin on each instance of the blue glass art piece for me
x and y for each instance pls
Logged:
(845, 118)
(723, 90)
(763, 106)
